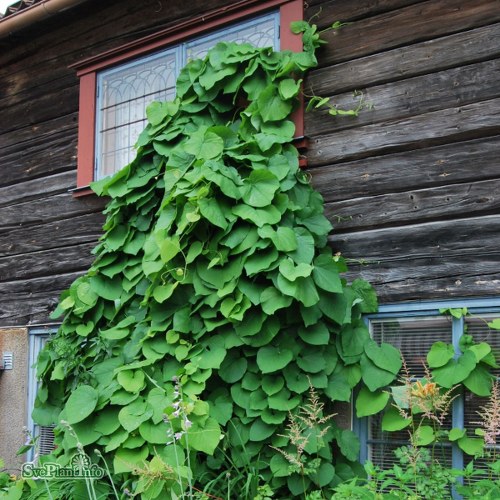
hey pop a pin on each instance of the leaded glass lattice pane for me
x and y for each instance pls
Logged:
(261, 32)
(124, 95)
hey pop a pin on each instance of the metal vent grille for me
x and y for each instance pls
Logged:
(46, 440)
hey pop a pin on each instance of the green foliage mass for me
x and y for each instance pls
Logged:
(214, 270)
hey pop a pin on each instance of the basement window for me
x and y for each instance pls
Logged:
(116, 87)
(412, 329)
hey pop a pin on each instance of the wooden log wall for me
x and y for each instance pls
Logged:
(46, 235)
(412, 185)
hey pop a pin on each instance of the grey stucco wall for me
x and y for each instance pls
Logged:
(13, 396)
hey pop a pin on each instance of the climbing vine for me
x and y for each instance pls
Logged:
(214, 304)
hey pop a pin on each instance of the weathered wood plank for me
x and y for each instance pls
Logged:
(51, 262)
(442, 239)
(421, 58)
(31, 189)
(420, 205)
(424, 261)
(52, 80)
(324, 13)
(414, 96)
(420, 168)
(47, 209)
(471, 278)
(409, 25)
(43, 150)
(429, 129)
(40, 108)
(38, 134)
(30, 302)
(61, 233)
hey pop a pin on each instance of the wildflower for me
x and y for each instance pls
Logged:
(187, 423)
(490, 416)
(178, 435)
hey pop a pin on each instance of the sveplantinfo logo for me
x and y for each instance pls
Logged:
(80, 467)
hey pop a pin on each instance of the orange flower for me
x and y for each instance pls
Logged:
(424, 391)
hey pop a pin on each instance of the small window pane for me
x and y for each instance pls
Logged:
(413, 337)
(124, 95)
(261, 32)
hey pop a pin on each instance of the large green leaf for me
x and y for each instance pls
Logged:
(106, 288)
(317, 334)
(204, 144)
(259, 430)
(369, 403)
(439, 354)
(471, 446)
(232, 369)
(349, 444)
(131, 380)
(384, 356)
(259, 188)
(81, 403)
(272, 300)
(394, 421)
(373, 376)
(205, 437)
(291, 271)
(326, 274)
(479, 381)
(455, 371)
(271, 359)
(134, 414)
(272, 106)
(424, 435)
(153, 433)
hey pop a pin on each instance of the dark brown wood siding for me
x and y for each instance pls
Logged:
(46, 235)
(412, 184)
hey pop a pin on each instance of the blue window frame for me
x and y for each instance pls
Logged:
(413, 328)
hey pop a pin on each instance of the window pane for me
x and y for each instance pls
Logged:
(413, 337)
(124, 94)
(261, 32)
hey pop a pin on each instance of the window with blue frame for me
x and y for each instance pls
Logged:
(413, 328)
(43, 435)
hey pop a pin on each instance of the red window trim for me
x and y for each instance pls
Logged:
(290, 10)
